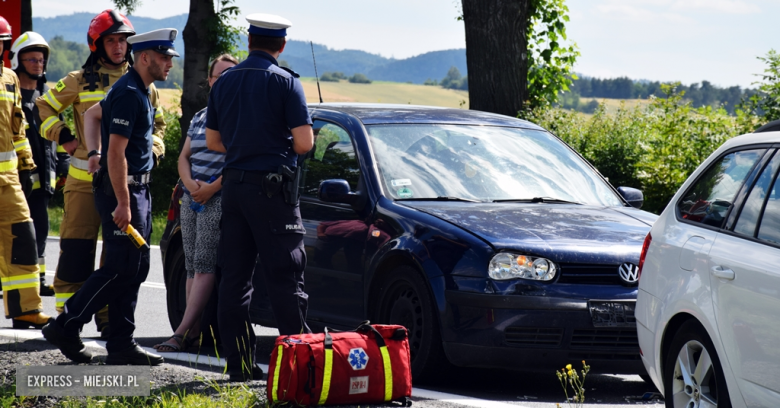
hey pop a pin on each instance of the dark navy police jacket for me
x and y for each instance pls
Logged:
(128, 112)
(254, 105)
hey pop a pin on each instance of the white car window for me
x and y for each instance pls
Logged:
(710, 198)
(748, 218)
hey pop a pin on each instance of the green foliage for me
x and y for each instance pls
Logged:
(549, 61)
(222, 34)
(653, 148)
(127, 5)
(766, 102)
(166, 174)
(571, 100)
(64, 56)
(431, 82)
(359, 79)
(333, 76)
(700, 94)
(454, 80)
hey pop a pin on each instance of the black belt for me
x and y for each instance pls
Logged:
(244, 176)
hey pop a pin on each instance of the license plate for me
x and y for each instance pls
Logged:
(612, 313)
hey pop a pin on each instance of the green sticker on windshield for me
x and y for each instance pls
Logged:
(405, 192)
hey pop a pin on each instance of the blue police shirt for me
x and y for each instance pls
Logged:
(128, 112)
(253, 106)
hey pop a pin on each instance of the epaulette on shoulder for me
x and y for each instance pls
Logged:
(293, 73)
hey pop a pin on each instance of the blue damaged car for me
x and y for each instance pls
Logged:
(490, 239)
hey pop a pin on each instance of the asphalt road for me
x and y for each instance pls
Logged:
(481, 387)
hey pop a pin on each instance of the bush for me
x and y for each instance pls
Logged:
(359, 79)
(653, 148)
(166, 174)
(333, 76)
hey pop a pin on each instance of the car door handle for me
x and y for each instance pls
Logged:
(723, 273)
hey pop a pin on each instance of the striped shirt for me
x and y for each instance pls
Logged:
(204, 163)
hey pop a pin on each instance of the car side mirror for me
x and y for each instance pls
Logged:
(336, 191)
(634, 197)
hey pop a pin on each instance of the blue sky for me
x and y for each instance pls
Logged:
(665, 40)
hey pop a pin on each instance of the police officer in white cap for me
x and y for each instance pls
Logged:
(258, 115)
(123, 148)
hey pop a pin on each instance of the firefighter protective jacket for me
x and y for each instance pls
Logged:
(15, 153)
(74, 90)
(43, 150)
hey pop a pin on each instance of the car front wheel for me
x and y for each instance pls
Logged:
(404, 300)
(693, 375)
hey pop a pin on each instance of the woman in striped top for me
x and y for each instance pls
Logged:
(200, 170)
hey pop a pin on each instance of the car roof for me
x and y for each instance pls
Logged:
(375, 114)
(752, 138)
(769, 127)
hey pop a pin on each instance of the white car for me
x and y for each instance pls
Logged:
(708, 307)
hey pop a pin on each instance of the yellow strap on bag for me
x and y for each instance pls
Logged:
(388, 373)
(275, 389)
(328, 369)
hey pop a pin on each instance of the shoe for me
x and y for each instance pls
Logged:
(36, 321)
(134, 356)
(245, 376)
(46, 290)
(71, 346)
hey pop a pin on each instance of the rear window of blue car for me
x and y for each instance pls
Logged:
(483, 163)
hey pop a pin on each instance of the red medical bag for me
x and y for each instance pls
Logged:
(368, 365)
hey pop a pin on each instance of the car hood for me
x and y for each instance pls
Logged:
(560, 232)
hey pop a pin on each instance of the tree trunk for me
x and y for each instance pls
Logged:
(27, 24)
(197, 49)
(496, 47)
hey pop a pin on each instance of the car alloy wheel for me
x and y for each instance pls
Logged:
(404, 300)
(693, 373)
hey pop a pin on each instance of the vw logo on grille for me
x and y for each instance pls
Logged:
(629, 273)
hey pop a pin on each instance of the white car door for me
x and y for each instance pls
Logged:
(745, 281)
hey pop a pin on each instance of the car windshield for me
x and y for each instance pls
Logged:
(483, 163)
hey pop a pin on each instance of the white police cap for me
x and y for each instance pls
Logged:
(269, 25)
(158, 40)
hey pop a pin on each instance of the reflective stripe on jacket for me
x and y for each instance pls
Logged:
(15, 150)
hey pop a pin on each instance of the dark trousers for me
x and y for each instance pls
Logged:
(116, 284)
(38, 201)
(254, 224)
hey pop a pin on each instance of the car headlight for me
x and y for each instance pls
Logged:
(512, 266)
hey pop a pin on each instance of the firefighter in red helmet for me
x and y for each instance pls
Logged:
(109, 59)
(19, 253)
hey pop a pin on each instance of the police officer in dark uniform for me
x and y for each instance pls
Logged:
(122, 199)
(258, 116)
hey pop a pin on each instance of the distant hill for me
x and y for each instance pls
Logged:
(432, 65)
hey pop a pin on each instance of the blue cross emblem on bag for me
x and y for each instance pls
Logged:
(358, 358)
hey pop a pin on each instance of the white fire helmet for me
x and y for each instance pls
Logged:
(27, 40)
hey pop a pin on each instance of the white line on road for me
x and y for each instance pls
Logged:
(56, 238)
(13, 336)
(153, 285)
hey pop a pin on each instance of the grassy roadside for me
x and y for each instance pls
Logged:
(158, 226)
(217, 396)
